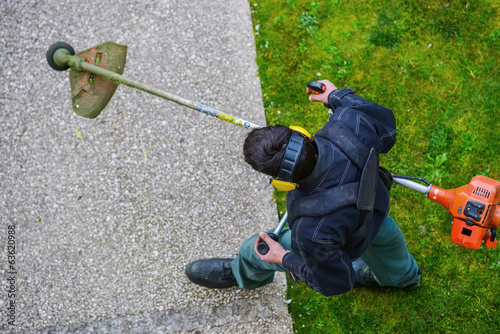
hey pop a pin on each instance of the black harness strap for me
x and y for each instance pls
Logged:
(341, 135)
(324, 202)
(363, 158)
(361, 193)
(368, 183)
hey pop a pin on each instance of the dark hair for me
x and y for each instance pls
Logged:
(264, 149)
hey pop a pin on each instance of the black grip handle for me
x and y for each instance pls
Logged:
(316, 86)
(263, 248)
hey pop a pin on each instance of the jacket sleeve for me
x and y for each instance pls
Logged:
(319, 262)
(345, 98)
(374, 116)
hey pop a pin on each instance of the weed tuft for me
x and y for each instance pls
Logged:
(386, 32)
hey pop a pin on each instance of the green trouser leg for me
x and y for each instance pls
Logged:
(387, 257)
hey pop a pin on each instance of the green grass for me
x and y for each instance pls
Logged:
(436, 67)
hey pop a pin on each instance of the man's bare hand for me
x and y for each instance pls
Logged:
(324, 96)
(276, 251)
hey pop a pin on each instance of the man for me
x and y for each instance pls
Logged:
(340, 232)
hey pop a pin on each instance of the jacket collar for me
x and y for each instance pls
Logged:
(320, 171)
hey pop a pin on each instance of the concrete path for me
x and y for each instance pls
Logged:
(107, 212)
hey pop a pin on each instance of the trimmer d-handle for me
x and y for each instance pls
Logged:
(316, 87)
(262, 247)
(474, 207)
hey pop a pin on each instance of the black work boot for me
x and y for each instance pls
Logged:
(211, 273)
(364, 275)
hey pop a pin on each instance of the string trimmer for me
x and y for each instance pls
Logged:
(96, 73)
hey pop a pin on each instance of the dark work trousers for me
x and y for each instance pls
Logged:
(387, 257)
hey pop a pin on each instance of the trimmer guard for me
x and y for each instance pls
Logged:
(91, 93)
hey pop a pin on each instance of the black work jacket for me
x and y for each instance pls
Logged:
(322, 251)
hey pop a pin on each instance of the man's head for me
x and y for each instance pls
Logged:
(264, 149)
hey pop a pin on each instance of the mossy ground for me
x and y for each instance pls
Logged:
(435, 64)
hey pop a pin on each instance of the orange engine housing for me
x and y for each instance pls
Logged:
(475, 211)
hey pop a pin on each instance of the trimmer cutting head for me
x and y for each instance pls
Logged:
(96, 73)
(90, 93)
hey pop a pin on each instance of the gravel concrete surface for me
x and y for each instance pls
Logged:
(107, 212)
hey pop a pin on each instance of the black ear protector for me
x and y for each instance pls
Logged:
(290, 158)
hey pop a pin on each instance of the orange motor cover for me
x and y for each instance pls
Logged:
(474, 208)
